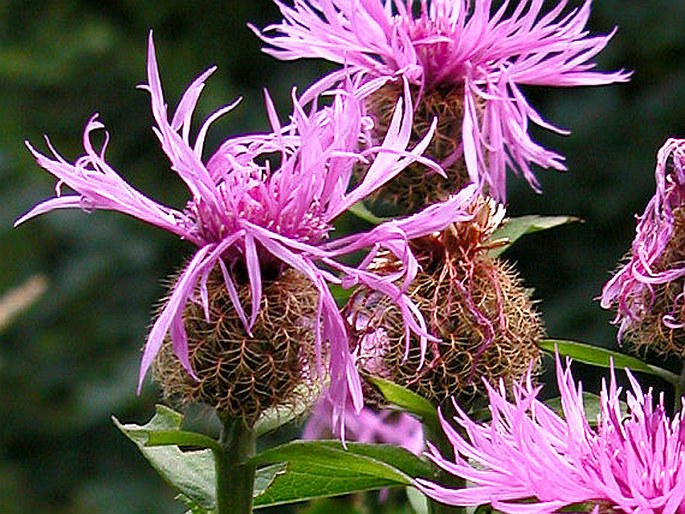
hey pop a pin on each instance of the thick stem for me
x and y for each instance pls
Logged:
(234, 477)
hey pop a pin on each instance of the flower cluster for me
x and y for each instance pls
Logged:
(649, 290)
(430, 88)
(530, 459)
(262, 204)
(469, 53)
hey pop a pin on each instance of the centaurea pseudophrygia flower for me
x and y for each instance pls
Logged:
(246, 217)
(474, 54)
(648, 292)
(529, 459)
(484, 320)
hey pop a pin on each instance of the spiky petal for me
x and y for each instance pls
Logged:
(631, 289)
(488, 52)
(529, 459)
(368, 426)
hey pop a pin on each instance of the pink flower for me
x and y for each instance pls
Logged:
(471, 46)
(632, 288)
(245, 212)
(368, 426)
(529, 459)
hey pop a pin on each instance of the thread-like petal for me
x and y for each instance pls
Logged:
(531, 459)
(488, 53)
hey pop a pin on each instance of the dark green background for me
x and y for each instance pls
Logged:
(71, 362)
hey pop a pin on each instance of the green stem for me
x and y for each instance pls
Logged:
(234, 477)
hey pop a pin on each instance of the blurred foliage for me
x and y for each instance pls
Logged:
(71, 361)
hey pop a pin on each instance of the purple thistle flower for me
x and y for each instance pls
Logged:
(368, 426)
(488, 53)
(632, 288)
(243, 213)
(529, 459)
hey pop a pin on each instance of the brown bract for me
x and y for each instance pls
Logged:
(242, 376)
(650, 334)
(418, 186)
(474, 304)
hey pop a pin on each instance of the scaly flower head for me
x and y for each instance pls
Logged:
(529, 459)
(483, 318)
(250, 218)
(481, 53)
(648, 292)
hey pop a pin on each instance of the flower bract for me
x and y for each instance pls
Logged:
(651, 282)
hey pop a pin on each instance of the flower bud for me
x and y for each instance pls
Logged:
(661, 328)
(648, 291)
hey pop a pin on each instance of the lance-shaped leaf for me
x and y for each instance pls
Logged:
(316, 469)
(191, 472)
(603, 357)
(362, 212)
(407, 401)
(513, 229)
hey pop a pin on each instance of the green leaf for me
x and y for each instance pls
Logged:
(266, 476)
(603, 357)
(326, 506)
(318, 469)
(189, 472)
(193, 507)
(340, 294)
(408, 401)
(362, 212)
(417, 500)
(181, 438)
(591, 403)
(513, 229)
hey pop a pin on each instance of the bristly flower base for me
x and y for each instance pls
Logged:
(662, 328)
(242, 375)
(418, 186)
(476, 306)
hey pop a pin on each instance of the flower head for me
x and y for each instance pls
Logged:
(649, 290)
(531, 459)
(259, 205)
(483, 318)
(482, 53)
